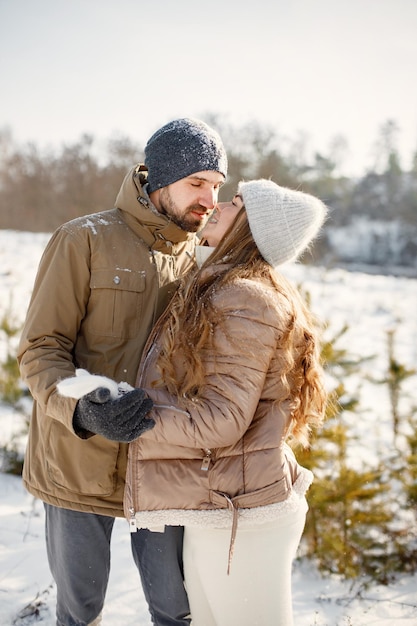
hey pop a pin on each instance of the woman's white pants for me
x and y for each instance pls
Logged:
(257, 592)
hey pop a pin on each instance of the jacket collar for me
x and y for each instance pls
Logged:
(158, 232)
(202, 253)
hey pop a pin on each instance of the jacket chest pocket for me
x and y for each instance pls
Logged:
(116, 303)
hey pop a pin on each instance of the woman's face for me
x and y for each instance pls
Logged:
(220, 220)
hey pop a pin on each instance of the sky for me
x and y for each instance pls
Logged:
(380, 303)
(315, 69)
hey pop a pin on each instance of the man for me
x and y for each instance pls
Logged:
(98, 292)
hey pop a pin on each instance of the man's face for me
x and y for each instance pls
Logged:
(189, 201)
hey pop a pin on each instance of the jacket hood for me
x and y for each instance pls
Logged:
(133, 200)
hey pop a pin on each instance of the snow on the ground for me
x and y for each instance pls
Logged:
(371, 305)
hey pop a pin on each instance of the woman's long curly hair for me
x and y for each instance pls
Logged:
(191, 318)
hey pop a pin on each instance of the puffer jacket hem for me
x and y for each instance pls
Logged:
(222, 518)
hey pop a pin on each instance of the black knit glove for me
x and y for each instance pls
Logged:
(121, 420)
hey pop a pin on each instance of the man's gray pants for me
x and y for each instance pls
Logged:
(78, 548)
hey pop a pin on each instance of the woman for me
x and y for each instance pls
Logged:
(233, 370)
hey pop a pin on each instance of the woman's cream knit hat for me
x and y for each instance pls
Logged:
(283, 221)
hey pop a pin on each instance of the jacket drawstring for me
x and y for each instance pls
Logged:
(235, 512)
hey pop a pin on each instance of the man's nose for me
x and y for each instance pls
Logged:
(208, 198)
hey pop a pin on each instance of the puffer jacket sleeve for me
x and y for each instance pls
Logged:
(54, 316)
(235, 373)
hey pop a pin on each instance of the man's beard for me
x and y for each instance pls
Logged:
(186, 221)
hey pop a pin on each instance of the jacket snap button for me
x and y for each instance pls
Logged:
(116, 280)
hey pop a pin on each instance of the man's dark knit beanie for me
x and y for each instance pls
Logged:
(180, 148)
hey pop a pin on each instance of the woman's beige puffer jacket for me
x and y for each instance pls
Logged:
(227, 450)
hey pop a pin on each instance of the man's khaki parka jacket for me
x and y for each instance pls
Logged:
(102, 282)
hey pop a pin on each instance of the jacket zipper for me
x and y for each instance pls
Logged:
(206, 460)
(132, 520)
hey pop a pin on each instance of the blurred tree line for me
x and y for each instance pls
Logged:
(39, 190)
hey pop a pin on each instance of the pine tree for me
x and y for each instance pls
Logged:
(351, 525)
(10, 389)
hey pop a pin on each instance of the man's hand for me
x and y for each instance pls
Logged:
(123, 419)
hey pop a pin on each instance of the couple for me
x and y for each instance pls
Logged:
(229, 372)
